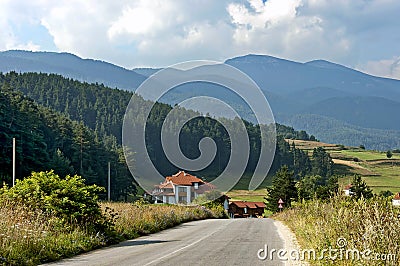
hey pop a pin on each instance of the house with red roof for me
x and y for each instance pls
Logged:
(396, 199)
(181, 188)
(347, 190)
(244, 209)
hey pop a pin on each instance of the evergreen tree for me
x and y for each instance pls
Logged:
(322, 163)
(60, 164)
(283, 187)
(359, 188)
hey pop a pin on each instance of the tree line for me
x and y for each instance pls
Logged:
(75, 128)
(49, 140)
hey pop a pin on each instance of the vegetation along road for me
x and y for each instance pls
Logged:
(206, 242)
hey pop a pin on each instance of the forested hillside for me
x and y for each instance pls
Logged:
(334, 102)
(75, 127)
(49, 140)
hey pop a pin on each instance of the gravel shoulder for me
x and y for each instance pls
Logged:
(289, 242)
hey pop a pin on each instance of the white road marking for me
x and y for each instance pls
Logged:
(185, 247)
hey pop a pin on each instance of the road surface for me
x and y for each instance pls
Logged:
(207, 242)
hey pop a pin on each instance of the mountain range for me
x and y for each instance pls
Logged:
(335, 103)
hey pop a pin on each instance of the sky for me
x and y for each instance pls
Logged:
(362, 34)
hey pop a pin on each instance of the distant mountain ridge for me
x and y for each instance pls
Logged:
(312, 92)
(71, 66)
(279, 75)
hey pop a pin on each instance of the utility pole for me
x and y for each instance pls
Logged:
(81, 173)
(109, 182)
(13, 176)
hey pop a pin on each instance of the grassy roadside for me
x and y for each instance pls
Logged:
(133, 220)
(30, 237)
(362, 225)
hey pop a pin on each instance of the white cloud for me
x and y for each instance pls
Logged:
(389, 68)
(79, 26)
(30, 46)
(278, 28)
(133, 21)
(142, 18)
(135, 33)
(10, 19)
(263, 15)
(162, 32)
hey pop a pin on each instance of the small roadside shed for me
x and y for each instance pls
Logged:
(245, 209)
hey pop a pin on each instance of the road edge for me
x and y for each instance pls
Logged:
(289, 242)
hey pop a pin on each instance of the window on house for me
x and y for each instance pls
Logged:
(245, 210)
(196, 185)
(182, 189)
(182, 199)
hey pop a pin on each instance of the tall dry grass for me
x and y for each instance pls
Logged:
(133, 220)
(30, 237)
(364, 224)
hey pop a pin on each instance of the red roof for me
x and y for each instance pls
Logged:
(250, 205)
(347, 187)
(166, 185)
(184, 179)
(397, 196)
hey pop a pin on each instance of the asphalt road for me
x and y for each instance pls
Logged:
(207, 242)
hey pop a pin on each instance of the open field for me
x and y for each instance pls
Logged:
(246, 195)
(367, 155)
(377, 170)
(388, 179)
(353, 167)
(240, 190)
(310, 145)
(380, 173)
(243, 183)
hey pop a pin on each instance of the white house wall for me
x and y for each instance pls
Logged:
(188, 195)
(176, 191)
(171, 199)
(396, 202)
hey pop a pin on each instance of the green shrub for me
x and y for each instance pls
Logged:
(45, 218)
(68, 199)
